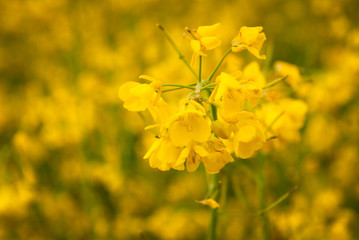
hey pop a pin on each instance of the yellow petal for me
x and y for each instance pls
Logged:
(220, 128)
(125, 90)
(238, 48)
(183, 156)
(154, 146)
(193, 161)
(252, 71)
(212, 30)
(201, 130)
(194, 59)
(200, 150)
(179, 134)
(148, 78)
(244, 150)
(210, 42)
(246, 134)
(196, 46)
(135, 104)
(255, 52)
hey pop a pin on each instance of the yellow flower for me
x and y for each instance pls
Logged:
(192, 155)
(213, 154)
(283, 119)
(190, 124)
(206, 38)
(218, 156)
(137, 97)
(253, 72)
(247, 137)
(160, 112)
(230, 94)
(164, 155)
(250, 38)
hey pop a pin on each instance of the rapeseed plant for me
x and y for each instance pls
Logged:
(218, 120)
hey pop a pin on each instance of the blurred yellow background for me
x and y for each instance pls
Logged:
(71, 162)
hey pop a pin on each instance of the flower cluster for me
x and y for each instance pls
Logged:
(221, 117)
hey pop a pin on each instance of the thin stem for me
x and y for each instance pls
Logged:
(218, 65)
(147, 123)
(176, 88)
(172, 89)
(274, 121)
(274, 82)
(180, 55)
(209, 86)
(261, 195)
(178, 85)
(212, 188)
(281, 199)
(200, 69)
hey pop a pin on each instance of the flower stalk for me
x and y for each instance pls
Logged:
(218, 65)
(261, 196)
(173, 44)
(213, 191)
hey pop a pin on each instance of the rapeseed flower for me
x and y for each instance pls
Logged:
(250, 38)
(230, 94)
(218, 155)
(247, 136)
(164, 155)
(206, 38)
(137, 97)
(189, 124)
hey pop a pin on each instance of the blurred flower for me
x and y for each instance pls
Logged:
(290, 70)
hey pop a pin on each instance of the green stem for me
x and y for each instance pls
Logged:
(273, 122)
(200, 69)
(172, 89)
(147, 123)
(178, 85)
(274, 82)
(261, 195)
(212, 188)
(218, 65)
(209, 86)
(281, 199)
(167, 35)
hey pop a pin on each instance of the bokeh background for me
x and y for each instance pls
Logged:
(71, 162)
